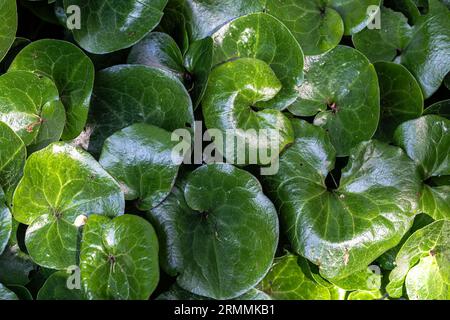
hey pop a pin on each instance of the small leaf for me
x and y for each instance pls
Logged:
(119, 258)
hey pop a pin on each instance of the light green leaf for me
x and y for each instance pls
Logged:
(141, 159)
(365, 295)
(341, 90)
(8, 25)
(219, 234)
(343, 228)
(61, 185)
(422, 264)
(119, 258)
(401, 98)
(30, 105)
(106, 27)
(70, 69)
(128, 94)
(260, 36)
(290, 279)
(12, 160)
(427, 141)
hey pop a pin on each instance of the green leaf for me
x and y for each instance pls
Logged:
(428, 54)
(206, 16)
(260, 36)
(160, 51)
(386, 43)
(128, 94)
(441, 108)
(401, 98)
(177, 293)
(15, 266)
(219, 234)
(343, 228)
(56, 288)
(233, 88)
(422, 264)
(12, 160)
(119, 258)
(8, 25)
(30, 105)
(61, 185)
(427, 141)
(106, 27)
(368, 279)
(140, 158)
(341, 90)
(290, 279)
(365, 295)
(21, 292)
(70, 69)
(6, 294)
(317, 27)
(5, 222)
(198, 62)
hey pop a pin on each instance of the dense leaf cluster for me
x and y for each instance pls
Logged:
(94, 204)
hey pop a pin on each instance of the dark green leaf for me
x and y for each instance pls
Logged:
(70, 69)
(343, 228)
(5, 222)
(141, 159)
(107, 27)
(127, 94)
(119, 258)
(441, 108)
(61, 186)
(220, 234)
(341, 90)
(401, 98)
(15, 266)
(56, 288)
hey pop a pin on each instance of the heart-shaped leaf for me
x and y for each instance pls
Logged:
(70, 69)
(12, 160)
(6, 294)
(5, 222)
(15, 266)
(56, 288)
(140, 158)
(127, 94)
(386, 43)
(290, 279)
(441, 108)
(341, 91)
(422, 264)
(261, 36)
(219, 234)
(233, 88)
(106, 27)
(427, 141)
(423, 49)
(159, 50)
(203, 17)
(343, 228)
(30, 105)
(61, 185)
(119, 258)
(8, 25)
(401, 98)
